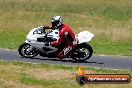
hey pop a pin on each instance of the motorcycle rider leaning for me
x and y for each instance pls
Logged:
(65, 34)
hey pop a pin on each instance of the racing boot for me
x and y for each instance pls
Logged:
(61, 55)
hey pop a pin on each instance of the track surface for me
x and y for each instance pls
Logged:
(114, 62)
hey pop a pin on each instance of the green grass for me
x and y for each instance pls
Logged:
(23, 75)
(28, 80)
(64, 67)
(109, 20)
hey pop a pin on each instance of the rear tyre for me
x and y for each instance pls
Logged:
(83, 52)
(27, 50)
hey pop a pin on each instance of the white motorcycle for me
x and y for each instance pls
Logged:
(37, 37)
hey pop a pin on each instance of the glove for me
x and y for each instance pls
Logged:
(47, 43)
(47, 27)
(44, 27)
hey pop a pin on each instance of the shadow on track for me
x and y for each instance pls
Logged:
(66, 60)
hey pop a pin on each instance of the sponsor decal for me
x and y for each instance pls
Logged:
(83, 78)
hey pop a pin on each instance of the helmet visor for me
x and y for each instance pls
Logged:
(55, 24)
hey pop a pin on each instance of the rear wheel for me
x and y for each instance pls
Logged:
(83, 52)
(27, 50)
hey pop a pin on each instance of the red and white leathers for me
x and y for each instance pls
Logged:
(65, 34)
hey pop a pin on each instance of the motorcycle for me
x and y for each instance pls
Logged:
(37, 38)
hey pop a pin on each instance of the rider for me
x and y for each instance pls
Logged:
(65, 34)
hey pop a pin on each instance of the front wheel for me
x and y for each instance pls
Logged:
(83, 52)
(27, 50)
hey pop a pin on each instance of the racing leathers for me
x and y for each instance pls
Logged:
(65, 34)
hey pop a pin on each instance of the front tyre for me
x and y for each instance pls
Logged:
(83, 52)
(27, 50)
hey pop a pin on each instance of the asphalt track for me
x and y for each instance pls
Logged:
(101, 61)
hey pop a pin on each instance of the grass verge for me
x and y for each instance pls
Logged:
(109, 20)
(28, 75)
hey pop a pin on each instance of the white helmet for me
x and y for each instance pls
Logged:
(56, 22)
